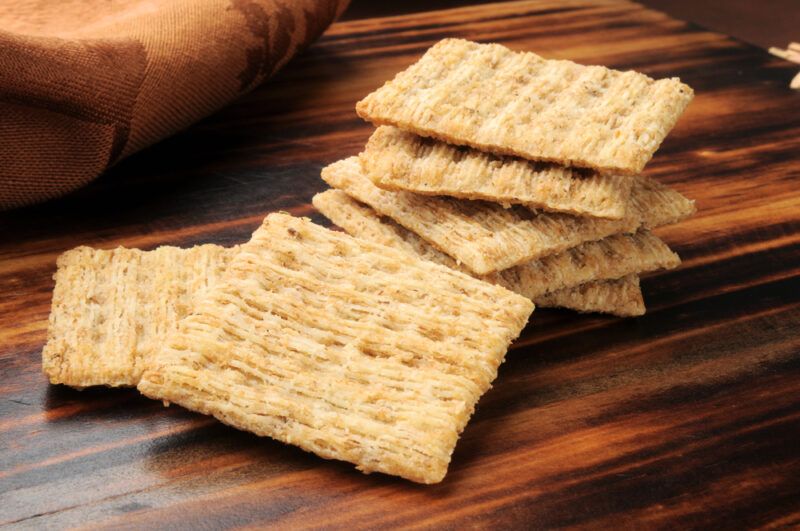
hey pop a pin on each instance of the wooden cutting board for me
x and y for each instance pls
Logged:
(688, 416)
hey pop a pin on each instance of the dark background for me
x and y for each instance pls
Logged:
(764, 23)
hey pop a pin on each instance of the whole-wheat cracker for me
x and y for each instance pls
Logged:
(487, 237)
(112, 308)
(402, 161)
(517, 103)
(556, 275)
(343, 347)
(621, 297)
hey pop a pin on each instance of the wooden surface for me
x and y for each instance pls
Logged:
(764, 23)
(688, 416)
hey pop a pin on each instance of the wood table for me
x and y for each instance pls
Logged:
(686, 417)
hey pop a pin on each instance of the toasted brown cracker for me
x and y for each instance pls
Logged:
(611, 258)
(493, 99)
(621, 297)
(111, 309)
(343, 347)
(658, 204)
(361, 221)
(401, 161)
(487, 237)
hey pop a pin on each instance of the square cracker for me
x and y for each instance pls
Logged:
(343, 347)
(550, 279)
(112, 308)
(402, 161)
(510, 103)
(487, 237)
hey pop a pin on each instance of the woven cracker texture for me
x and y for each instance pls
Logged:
(402, 161)
(512, 103)
(559, 276)
(621, 297)
(487, 237)
(345, 348)
(112, 309)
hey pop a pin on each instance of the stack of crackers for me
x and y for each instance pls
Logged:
(375, 347)
(521, 171)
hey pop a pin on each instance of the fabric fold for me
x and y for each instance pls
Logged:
(85, 84)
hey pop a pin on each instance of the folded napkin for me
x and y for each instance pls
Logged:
(84, 83)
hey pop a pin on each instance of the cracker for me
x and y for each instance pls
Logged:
(361, 221)
(612, 258)
(112, 308)
(658, 204)
(607, 259)
(343, 347)
(621, 297)
(510, 103)
(487, 237)
(401, 161)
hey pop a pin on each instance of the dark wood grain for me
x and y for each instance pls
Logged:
(764, 23)
(686, 417)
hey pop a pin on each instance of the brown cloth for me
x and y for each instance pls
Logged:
(84, 83)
